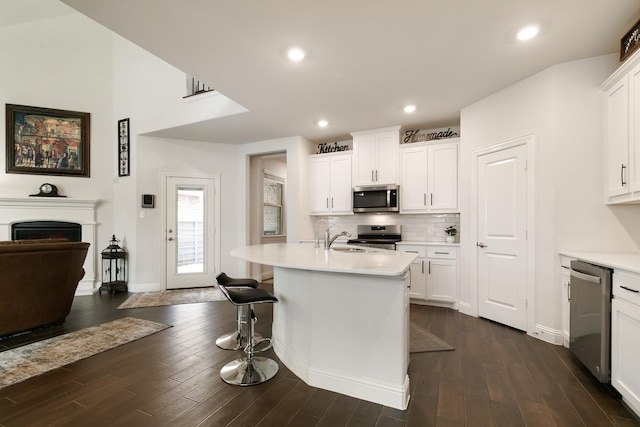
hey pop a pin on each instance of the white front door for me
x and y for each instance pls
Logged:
(192, 243)
(501, 239)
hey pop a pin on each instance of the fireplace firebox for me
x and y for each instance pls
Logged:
(46, 230)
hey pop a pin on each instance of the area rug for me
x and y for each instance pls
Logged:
(171, 297)
(421, 340)
(24, 362)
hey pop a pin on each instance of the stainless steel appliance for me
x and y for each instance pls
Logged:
(378, 236)
(381, 198)
(590, 317)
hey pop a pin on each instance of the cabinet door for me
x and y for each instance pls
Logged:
(625, 348)
(413, 185)
(442, 276)
(618, 139)
(364, 149)
(443, 178)
(634, 129)
(418, 279)
(319, 185)
(341, 190)
(387, 146)
(564, 305)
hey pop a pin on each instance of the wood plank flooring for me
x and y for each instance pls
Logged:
(496, 376)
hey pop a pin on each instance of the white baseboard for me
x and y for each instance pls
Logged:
(550, 335)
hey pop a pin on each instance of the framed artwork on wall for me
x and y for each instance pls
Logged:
(123, 147)
(47, 141)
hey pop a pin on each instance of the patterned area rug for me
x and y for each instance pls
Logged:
(421, 340)
(24, 362)
(171, 297)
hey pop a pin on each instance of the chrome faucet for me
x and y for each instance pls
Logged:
(329, 240)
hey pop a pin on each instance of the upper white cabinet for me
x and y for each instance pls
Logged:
(330, 184)
(376, 156)
(429, 177)
(623, 133)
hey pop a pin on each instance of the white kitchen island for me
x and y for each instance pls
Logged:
(342, 318)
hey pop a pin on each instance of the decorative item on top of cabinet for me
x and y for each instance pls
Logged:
(329, 184)
(429, 177)
(622, 137)
(375, 154)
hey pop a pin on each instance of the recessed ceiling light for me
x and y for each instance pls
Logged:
(409, 108)
(295, 54)
(323, 123)
(527, 33)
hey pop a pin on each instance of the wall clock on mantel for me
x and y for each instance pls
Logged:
(47, 190)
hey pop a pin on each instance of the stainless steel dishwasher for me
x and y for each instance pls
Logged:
(590, 317)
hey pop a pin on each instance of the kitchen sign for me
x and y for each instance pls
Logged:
(333, 147)
(630, 42)
(411, 136)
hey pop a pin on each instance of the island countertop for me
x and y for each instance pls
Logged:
(305, 256)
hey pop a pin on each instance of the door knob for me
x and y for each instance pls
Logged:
(481, 245)
(170, 239)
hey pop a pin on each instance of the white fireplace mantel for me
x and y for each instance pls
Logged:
(83, 212)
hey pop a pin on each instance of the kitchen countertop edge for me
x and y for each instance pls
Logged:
(628, 261)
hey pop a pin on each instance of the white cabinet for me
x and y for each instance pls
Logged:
(375, 155)
(329, 184)
(434, 274)
(429, 177)
(565, 278)
(625, 337)
(623, 133)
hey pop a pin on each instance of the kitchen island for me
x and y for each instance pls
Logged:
(342, 318)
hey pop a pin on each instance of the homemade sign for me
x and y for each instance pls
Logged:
(411, 136)
(630, 42)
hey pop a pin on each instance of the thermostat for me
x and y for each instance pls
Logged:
(148, 200)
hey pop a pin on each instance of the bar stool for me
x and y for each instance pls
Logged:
(233, 340)
(249, 370)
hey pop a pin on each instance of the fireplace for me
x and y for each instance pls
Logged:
(46, 230)
(33, 216)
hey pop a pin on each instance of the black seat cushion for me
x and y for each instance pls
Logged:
(244, 296)
(225, 280)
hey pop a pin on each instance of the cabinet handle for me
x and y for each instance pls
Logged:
(376, 175)
(332, 203)
(429, 267)
(622, 168)
(327, 199)
(425, 199)
(441, 253)
(431, 199)
(635, 291)
(423, 267)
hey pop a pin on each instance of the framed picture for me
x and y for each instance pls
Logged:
(123, 147)
(45, 141)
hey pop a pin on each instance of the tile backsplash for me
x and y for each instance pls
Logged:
(415, 228)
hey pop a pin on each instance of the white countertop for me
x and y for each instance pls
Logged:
(305, 256)
(623, 261)
(422, 243)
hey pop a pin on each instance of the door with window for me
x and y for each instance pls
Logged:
(191, 237)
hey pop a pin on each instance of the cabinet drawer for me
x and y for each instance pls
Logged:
(413, 249)
(626, 285)
(442, 252)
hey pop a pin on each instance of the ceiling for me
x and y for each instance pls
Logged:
(366, 59)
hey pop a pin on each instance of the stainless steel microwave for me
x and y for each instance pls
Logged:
(380, 198)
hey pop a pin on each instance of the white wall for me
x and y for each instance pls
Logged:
(563, 108)
(64, 63)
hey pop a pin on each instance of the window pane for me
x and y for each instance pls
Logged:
(190, 230)
(272, 192)
(272, 220)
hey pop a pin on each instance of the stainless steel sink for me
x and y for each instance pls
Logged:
(349, 249)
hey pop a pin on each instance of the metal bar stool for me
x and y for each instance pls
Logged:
(234, 340)
(249, 370)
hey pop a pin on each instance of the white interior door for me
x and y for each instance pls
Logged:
(502, 228)
(192, 243)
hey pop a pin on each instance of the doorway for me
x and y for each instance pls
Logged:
(192, 243)
(504, 212)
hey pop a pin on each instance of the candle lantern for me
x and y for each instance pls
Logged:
(114, 268)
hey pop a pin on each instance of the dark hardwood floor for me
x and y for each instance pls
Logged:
(496, 376)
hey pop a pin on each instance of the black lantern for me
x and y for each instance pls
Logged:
(114, 268)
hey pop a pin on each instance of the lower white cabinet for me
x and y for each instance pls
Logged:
(625, 337)
(434, 274)
(565, 277)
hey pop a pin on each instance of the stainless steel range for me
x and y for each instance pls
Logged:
(378, 236)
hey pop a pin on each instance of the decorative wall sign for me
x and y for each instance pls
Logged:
(333, 147)
(630, 42)
(45, 141)
(411, 136)
(123, 147)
